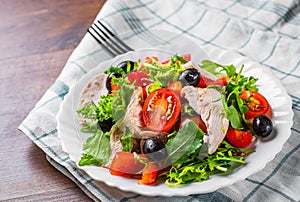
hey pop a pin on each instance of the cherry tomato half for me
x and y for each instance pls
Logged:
(124, 164)
(161, 110)
(257, 104)
(238, 138)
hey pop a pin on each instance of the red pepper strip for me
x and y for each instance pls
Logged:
(149, 174)
(204, 82)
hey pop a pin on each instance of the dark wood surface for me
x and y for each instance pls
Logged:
(36, 39)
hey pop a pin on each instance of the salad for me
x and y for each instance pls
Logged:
(171, 121)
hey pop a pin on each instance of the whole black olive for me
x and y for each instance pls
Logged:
(262, 125)
(127, 66)
(106, 125)
(190, 76)
(155, 149)
(109, 79)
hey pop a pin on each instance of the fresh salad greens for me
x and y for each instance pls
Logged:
(237, 83)
(196, 169)
(161, 74)
(96, 153)
(187, 158)
(189, 166)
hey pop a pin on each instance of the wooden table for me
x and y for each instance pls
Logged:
(36, 39)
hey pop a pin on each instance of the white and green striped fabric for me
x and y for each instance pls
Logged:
(265, 31)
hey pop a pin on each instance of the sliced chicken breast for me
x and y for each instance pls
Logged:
(207, 102)
(92, 92)
(132, 120)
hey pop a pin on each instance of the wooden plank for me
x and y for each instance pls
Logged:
(36, 37)
(34, 26)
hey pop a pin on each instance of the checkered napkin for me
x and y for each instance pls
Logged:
(267, 32)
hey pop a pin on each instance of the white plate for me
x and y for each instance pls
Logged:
(72, 140)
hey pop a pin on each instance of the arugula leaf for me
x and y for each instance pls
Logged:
(221, 162)
(187, 141)
(97, 149)
(217, 69)
(237, 83)
(234, 117)
(176, 58)
(210, 66)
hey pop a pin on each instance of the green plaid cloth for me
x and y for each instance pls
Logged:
(267, 32)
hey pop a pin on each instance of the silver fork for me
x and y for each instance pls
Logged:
(111, 43)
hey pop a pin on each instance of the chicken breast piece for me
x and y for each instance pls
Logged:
(92, 92)
(207, 102)
(132, 120)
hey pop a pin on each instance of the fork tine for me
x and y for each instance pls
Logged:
(127, 48)
(106, 40)
(109, 40)
(94, 34)
(91, 30)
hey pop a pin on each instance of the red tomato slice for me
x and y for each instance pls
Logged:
(257, 104)
(238, 138)
(145, 92)
(161, 110)
(124, 164)
(140, 78)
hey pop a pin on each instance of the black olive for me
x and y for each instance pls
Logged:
(109, 78)
(155, 149)
(106, 125)
(190, 76)
(262, 125)
(127, 66)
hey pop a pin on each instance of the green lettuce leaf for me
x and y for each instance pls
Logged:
(121, 99)
(162, 73)
(200, 169)
(97, 149)
(101, 112)
(187, 141)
